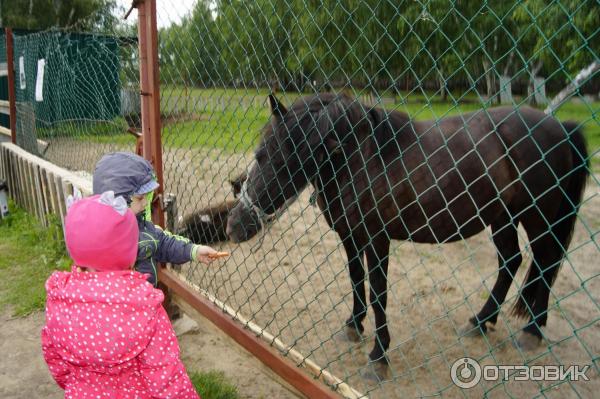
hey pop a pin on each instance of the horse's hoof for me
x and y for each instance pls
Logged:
(353, 335)
(470, 329)
(528, 342)
(377, 371)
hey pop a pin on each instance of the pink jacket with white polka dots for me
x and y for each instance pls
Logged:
(108, 336)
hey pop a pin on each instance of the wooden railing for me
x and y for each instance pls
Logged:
(37, 185)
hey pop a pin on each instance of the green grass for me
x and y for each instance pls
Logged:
(214, 385)
(30, 253)
(220, 122)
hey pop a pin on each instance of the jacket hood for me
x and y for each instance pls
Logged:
(122, 172)
(100, 319)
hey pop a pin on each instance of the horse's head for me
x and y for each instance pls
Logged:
(296, 142)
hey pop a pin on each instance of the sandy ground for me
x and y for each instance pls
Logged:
(293, 282)
(24, 375)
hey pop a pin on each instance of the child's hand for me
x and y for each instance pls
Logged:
(206, 254)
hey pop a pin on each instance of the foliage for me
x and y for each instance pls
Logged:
(379, 44)
(44, 14)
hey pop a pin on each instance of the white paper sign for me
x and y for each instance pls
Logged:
(22, 72)
(39, 83)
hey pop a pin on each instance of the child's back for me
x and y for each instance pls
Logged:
(107, 334)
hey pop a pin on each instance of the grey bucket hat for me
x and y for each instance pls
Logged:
(124, 173)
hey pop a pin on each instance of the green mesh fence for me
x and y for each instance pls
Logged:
(77, 94)
(4, 112)
(431, 60)
(415, 89)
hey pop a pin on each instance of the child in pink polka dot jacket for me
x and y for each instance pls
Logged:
(106, 334)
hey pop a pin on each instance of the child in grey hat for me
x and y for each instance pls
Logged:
(133, 178)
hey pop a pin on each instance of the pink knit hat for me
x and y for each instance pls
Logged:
(102, 233)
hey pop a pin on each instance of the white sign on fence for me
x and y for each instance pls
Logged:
(22, 72)
(39, 82)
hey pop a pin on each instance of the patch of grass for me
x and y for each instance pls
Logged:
(30, 253)
(231, 119)
(214, 385)
(233, 131)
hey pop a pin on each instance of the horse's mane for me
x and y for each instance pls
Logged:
(350, 117)
(343, 115)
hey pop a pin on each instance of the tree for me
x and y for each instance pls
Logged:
(557, 38)
(44, 14)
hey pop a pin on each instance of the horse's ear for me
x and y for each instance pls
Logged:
(277, 107)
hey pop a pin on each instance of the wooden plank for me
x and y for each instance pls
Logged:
(32, 189)
(45, 192)
(43, 195)
(19, 188)
(23, 183)
(310, 387)
(7, 170)
(49, 177)
(53, 196)
(60, 197)
(11, 170)
(10, 173)
(37, 189)
(3, 174)
(4, 109)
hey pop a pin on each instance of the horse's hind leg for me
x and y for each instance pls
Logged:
(354, 327)
(377, 259)
(535, 293)
(506, 240)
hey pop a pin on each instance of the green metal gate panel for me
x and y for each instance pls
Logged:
(81, 76)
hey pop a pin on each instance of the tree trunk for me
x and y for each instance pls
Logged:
(490, 80)
(508, 63)
(443, 86)
(535, 68)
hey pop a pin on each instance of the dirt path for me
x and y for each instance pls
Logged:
(23, 373)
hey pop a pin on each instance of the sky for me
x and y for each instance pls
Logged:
(168, 11)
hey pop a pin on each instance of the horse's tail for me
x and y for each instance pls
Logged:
(564, 220)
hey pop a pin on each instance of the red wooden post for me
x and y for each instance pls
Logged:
(152, 145)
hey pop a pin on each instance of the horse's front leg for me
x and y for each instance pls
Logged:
(354, 327)
(377, 259)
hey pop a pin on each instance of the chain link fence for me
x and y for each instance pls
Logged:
(77, 94)
(430, 60)
(426, 70)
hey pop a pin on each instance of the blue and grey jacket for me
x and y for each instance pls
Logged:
(127, 174)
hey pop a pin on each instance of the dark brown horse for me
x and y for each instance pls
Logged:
(380, 176)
